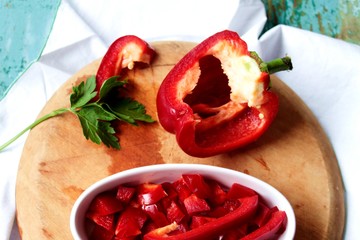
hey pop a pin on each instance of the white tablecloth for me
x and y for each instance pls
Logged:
(325, 76)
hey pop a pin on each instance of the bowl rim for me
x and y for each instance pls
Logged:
(263, 188)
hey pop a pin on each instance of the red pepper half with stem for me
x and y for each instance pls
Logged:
(122, 54)
(217, 97)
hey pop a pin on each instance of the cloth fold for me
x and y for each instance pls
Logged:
(325, 75)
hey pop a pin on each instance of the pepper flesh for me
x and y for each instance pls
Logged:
(122, 54)
(216, 99)
(212, 228)
(270, 230)
(224, 213)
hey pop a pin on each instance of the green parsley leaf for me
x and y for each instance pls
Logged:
(90, 118)
(106, 133)
(129, 111)
(109, 85)
(83, 93)
(96, 115)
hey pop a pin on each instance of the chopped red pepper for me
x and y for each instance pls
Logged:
(196, 183)
(149, 193)
(124, 193)
(105, 204)
(123, 53)
(105, 221)
(98, 232)
(194, 205)
(212, 228)
(233, 214)
(174, 212)
(182, 189)
(270, 230)
(218, 194)
(130, 222)
(217, 98)
(239, 191)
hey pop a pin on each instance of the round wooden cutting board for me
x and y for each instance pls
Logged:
(58, 163)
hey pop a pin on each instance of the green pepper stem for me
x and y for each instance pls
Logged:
(34, 124)
(273, 66)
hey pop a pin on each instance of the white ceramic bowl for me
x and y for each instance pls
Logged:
(169, 173)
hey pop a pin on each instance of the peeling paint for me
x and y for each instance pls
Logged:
(334, 18)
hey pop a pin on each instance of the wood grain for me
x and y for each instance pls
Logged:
(58, 163)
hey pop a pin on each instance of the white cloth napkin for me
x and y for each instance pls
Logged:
(325, 74)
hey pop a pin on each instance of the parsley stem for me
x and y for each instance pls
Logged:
(34, 124)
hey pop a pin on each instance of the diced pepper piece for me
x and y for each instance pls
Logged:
(174, 212)
(239, 191)
(182, 189)
(105, 204)
(270, 230)
(195, 205)
(263, 214)
(124, 193)
(170, 190)
(105, 221)
(218, 194)
(156, 215)
(130, 222)
(100, 233)
(228, 206)
(197, 185)
(150, 193)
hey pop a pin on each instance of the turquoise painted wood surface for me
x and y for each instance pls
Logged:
(335, 18)
(24, 29)
(25, 26)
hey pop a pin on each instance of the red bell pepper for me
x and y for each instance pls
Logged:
(196, 183)
(195, 205)
(150, 193)
(198, 221)
(130, 222)
(217, 97)
(155, 212)
(105, 204)
(270, 230)
(174, 213)
(238, 191)
(212, 228)
(123, 53)
(125, 194)
(227, 214)
(105, 221)
(98, 232)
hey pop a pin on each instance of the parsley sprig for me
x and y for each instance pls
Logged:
(96, 116)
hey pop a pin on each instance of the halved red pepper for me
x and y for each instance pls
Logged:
(217, 98)
(123, 53)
